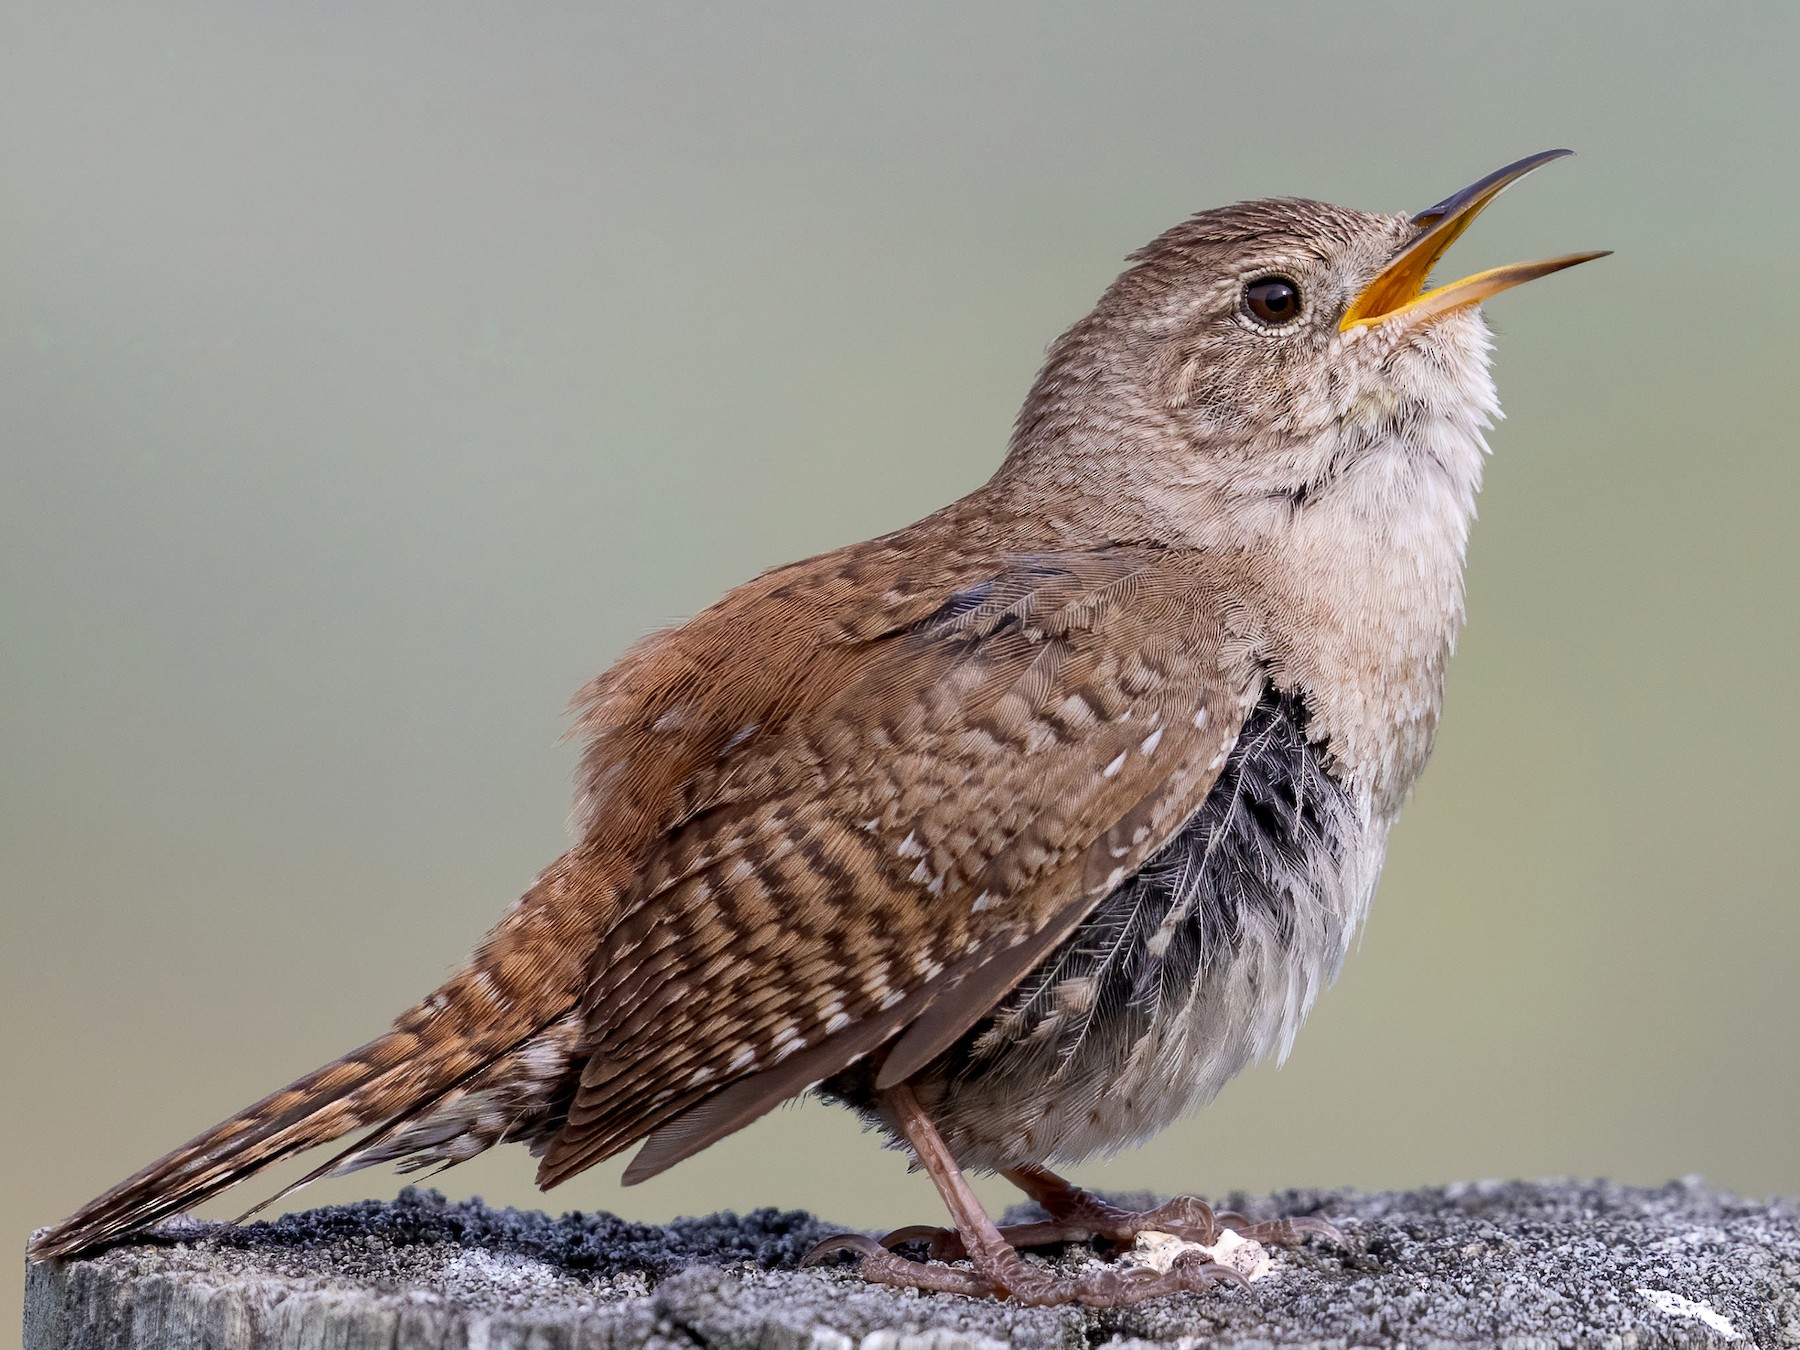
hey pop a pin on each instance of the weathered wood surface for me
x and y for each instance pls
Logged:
(1524, 1266)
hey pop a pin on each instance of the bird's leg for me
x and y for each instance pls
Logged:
(999, 1271)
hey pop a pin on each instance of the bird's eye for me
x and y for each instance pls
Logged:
(1272, 300)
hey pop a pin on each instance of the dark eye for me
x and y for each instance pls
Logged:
(1273, 300)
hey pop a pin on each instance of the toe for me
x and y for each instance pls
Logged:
(1186, 1216)
(878, 1265)
(1285, 1232)
(860, 1245)
(941, 1244)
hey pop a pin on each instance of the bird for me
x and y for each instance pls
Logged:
(1017, 831)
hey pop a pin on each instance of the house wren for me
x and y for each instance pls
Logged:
(1020, 830)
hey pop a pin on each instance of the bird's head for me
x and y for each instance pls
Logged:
(1256, 355)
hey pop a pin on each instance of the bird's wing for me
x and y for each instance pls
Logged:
(882, 826)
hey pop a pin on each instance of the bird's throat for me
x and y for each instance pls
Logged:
(1361, 599)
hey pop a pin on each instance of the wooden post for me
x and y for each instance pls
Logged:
(1548, 1264)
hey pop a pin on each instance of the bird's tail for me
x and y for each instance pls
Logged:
(526, 974)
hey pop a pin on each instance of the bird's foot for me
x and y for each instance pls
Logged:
(996, 1270)
(1186, 1216)
(1003, 1273)
(1078, 1215)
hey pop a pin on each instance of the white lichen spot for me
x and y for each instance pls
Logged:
(1671, 1304)
(1111, 770)
(1246, 1256)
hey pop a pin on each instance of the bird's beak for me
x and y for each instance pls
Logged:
(1399, 288)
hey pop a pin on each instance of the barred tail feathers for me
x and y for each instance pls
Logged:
(487, 1039)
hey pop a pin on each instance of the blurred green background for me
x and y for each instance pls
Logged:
(370, 375)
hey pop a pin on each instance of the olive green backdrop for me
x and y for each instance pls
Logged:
(370, 375)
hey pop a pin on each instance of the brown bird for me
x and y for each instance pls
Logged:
(1019, 830)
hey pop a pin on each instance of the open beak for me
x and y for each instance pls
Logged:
(1399, 288)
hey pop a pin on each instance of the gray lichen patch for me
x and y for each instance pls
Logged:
(1553, 1264)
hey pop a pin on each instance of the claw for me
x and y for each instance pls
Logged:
(1212, 1271)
